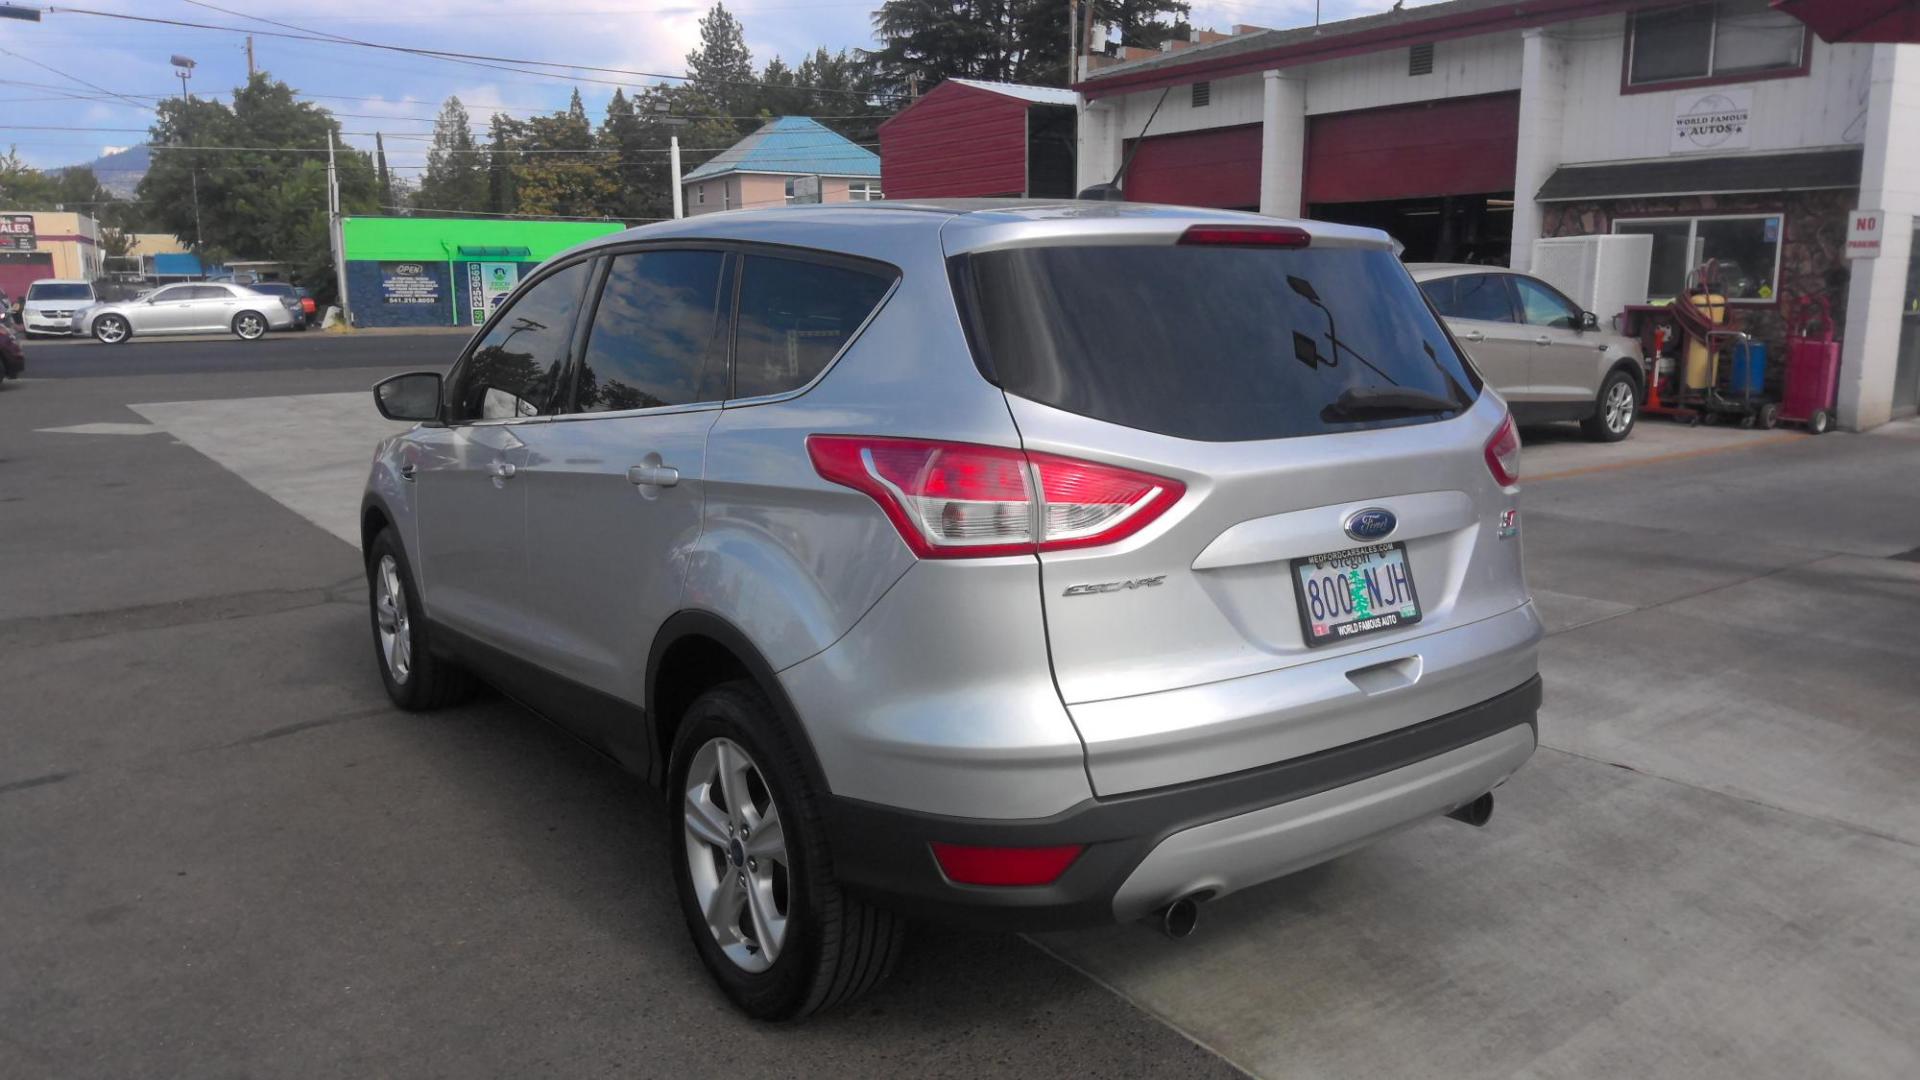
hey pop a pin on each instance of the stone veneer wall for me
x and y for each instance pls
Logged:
(1812, 261)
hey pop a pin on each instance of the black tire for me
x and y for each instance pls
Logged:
(112, 330)
(835, 947)
(255, 326)
(1618, 394)
(1820, 422)
(426, 681)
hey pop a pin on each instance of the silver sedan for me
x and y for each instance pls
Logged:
(197, 307)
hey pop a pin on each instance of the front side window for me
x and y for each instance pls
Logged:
(795, 316)
(1727, 39)
(173, 292)
(1744, 248)
(513, 370)
(658, 335)
(1543, 306)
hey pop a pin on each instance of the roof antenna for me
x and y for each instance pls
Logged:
(1111, 190)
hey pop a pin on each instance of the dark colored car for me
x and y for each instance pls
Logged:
(298, 302)
(13, 355)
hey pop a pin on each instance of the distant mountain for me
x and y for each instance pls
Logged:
(120, 171)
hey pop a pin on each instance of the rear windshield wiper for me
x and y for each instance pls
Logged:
(1382, 402)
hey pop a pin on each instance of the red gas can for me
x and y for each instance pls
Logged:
(1813, 367)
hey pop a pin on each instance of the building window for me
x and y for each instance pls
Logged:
(700, 196)
(863, 191)
(789, 189)
(1746, 248)
(1420, 59)
(1202, 94)
(726, 195)
(1724, 40)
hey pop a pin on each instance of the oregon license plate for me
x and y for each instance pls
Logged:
(1346, 594)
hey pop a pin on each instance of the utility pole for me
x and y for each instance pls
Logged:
(335, 238)
(1073, 42)
(673, 156)
(249, 57)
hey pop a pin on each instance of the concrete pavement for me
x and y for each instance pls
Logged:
(221, 852)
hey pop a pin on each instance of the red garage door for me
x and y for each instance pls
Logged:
(1462, 146)
(1219, 168)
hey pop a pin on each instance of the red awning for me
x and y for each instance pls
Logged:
(1858, 20)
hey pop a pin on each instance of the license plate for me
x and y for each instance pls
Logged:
(1347, 594)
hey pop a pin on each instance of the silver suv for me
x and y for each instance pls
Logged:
(1031, 565)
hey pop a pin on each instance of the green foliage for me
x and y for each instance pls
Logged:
(265, 201)
(76, 189)
(456, 175)
(926, 41)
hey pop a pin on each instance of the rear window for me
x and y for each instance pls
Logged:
(45, 290)
(1211, 343)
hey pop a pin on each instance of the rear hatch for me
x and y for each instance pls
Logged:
(1294, 387)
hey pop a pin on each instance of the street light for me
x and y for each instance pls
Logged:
(15, 11)
(183, 66)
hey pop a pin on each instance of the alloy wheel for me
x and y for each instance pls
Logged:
(390, 610)
(737, 853)
(250, 327)
(110, 331)
(1618, 408)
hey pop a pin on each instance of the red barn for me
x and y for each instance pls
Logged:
(968, 138)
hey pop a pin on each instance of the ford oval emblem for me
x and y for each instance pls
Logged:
(1373, 523)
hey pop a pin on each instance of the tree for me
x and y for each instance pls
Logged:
(1144, 24)
(926, 41)
(456, 175)
(380, 168)
(267, 201)
(720, 69)
(502, 135)
(559, 170)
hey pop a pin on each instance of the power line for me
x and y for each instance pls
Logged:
(473, 59)
(74, 78)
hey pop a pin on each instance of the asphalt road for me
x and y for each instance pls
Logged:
(223, 854)
(311, 350)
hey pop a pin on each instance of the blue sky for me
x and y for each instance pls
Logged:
(398, 94)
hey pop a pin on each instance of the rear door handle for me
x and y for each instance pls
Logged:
(502, 469)
(1543, 340)
(1475, 335)
(653, 475)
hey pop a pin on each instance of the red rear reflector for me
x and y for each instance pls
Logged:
(1285, 236)
(1503, 453)
(967, 865)
(962, 500)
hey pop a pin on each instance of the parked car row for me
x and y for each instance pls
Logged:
(75, 308)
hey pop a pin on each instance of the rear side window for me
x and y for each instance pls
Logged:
(1471, 296)
(794, 317)
(211, 292)
(658, 334)
(1211, 343)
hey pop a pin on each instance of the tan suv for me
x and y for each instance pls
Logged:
(1546, 357)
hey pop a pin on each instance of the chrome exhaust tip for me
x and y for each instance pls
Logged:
(1178, 919)
(1476, 813)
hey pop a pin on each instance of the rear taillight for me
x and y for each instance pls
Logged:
(965, 864)
(1285, 236)
(961, 500)
(1503, 453)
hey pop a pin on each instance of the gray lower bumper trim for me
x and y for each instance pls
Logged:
(1233, 853)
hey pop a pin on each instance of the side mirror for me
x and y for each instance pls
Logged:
(413, 396)
(1589, 321)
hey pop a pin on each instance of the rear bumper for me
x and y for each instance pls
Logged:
(1144, 849)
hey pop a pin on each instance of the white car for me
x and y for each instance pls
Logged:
(49, 305)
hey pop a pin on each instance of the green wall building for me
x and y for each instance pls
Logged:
(416, 271)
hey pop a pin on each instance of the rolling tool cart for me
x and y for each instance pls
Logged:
(1706, 390)
(1813, 367)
